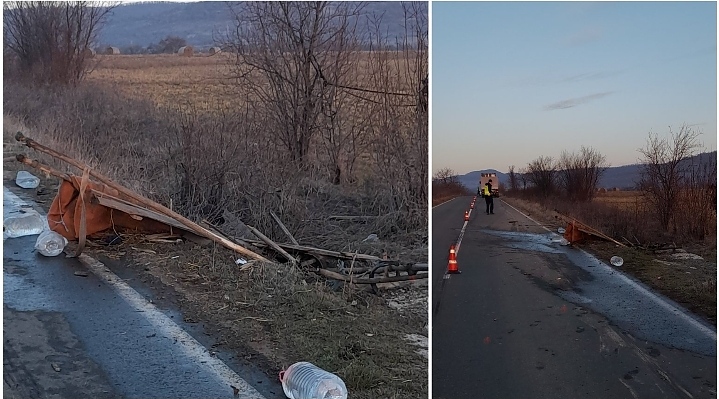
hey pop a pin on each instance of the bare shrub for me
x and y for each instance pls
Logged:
(541, 173)
(50, 39)
(662, 176)
(579, 173)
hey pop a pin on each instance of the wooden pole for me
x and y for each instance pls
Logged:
(272, 244)
(194, 227)
(284, 229)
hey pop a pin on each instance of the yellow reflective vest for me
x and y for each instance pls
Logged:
(486, 191)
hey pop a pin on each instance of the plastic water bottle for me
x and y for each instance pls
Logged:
(27, 224)
(49, 243)
(304, 380)
(616, 261)
(27, 180)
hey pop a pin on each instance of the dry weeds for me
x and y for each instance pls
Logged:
(689, 282)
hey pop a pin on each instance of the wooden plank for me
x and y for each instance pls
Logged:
(194, 227)
(374, 280)
(284, 229)
(272, 244)
(121, 205)
(319, 251)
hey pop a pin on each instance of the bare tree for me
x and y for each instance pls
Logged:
(513, 180)
(400, 81)
(698, 196)
(291, 56)
(661, 175)
(169, 45)
(445, 175)
(579, 173)
(51, 41)
(542, 174)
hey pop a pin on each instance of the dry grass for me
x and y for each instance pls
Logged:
(169, 79)
(125, 121)
(623, 200)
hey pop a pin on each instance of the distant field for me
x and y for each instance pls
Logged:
(206, 81)
(627, 200)
(167, 79)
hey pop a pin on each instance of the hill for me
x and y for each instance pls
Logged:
(200, 23)
(624, 177)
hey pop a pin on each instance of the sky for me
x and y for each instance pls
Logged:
(513, 81)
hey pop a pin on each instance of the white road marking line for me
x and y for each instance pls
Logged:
(652, 296)
(445, 202)
(659, 301)
(191, 348)
(166, 326)
(459, 239)
(526, 216)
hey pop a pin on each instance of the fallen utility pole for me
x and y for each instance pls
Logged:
(192, 226)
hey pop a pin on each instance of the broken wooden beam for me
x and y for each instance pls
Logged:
(42, 167)
(319, 251)
(375, 280)
(284, 229)
(192, 226)
(272, 244)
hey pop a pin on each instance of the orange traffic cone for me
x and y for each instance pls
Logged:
(452, 265)
(466, 216)
(471, 206)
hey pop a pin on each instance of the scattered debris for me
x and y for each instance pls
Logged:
(27, 180)
(84, 207)
(616, 261)
(49, 243)
(577, 231)
(27, 223)
(371, 238)
(55, 367)
(686, 256)
(80, 273)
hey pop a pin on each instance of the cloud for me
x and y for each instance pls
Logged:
(573, 102)
(584, 36)
(592, 76)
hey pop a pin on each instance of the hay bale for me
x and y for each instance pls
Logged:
(615, 189)
(215, 50)
(602, 190)
(112, 50)
(186, 51)
(89, 53)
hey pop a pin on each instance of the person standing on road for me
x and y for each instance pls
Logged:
(488, 199)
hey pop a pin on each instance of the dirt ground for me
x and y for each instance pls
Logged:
(686, 275)
(272, 315)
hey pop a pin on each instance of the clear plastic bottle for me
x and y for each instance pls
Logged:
(304, 380)
(27, 180)
(49, 243)
(26, 224)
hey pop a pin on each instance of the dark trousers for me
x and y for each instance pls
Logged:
(490, 203)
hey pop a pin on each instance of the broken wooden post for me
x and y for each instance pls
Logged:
(192, 226)
(284, 229)
(272, 244)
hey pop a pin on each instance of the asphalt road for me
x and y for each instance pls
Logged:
(530, 318)
(93, 335)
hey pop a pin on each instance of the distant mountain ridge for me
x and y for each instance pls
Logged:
(199, 23)
(623, 177)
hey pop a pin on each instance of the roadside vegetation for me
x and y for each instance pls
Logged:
(297, 117)
(445, 186)
(667, 219)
